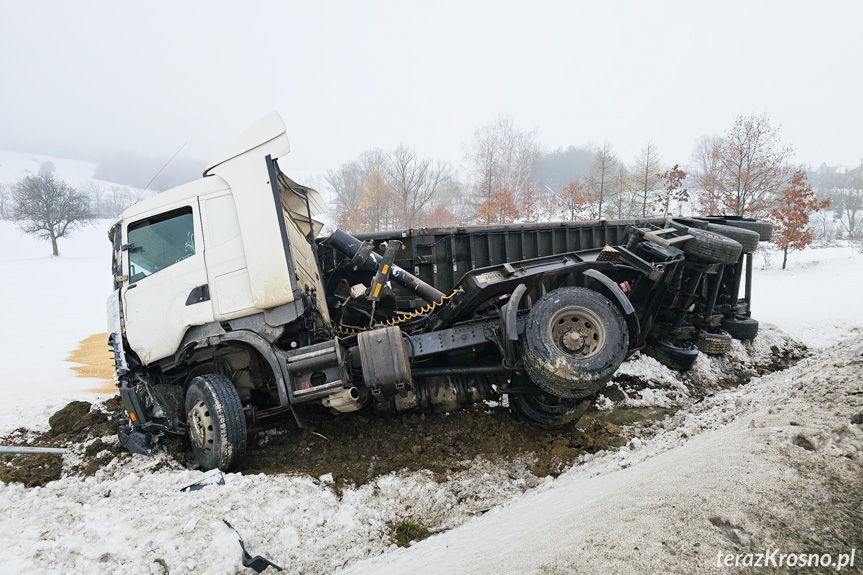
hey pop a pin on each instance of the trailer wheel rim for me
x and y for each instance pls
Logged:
(201, 426)
(577, 332)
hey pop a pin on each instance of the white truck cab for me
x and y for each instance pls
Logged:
(201, 253)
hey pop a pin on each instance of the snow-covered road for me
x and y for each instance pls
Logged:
(733, 477)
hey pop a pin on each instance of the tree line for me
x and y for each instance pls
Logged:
(507, 176)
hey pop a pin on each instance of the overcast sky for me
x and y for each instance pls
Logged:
(82, 78)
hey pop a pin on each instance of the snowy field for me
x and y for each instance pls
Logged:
(50, 304)
(637, 509)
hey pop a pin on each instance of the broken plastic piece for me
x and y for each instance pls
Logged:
(134, 441)
(212, 477)
(258, 563)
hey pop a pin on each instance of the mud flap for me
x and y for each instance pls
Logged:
(134, 441)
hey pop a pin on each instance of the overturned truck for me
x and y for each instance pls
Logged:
(229, 314)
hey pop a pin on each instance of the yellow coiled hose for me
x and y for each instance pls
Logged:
(403, 318)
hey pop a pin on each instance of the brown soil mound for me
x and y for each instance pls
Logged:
(31, 470)
(96, 361)
(76, 423)
(75, 417)
(358, 448)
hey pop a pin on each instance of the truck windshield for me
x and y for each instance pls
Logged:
(159, 242)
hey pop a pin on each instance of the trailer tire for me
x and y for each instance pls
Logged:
(748, 239)
(740, 326)
(688, 222)
(217, 425)
(548, 411)
(713, 343)
(763, 229)
(678, 357)
(712, 247)
(575, 339)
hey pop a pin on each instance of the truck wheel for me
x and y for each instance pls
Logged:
(575, 340)
(690, 223)
(746, 238)
(715, 343)
(740, 326)
(712, 247)
(679, 357)
(217, 425)
(763, 229)
(547, 410)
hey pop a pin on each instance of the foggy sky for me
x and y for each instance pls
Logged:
(83, 78)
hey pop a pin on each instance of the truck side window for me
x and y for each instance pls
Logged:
(159, 242)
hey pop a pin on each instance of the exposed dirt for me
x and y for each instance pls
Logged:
(358, 448)
(31, 470)
(75, 417)
(71, 426)
(95, 361)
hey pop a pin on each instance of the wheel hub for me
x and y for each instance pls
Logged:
(577, 332)
(573, 341)
(201, 426)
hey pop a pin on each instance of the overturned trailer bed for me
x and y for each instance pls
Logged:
(441, 256)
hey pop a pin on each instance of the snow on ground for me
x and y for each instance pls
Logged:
(742, 471)
(127, 518)
(15, 165)
(728, 474)
(49, 305)
(817, 299)
(707, 461)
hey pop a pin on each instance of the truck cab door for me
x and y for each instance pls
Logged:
(166, 290)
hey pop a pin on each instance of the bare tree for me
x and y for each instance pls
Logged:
(49, 208)
(97, 193)
(752, 165)
(5, 202)
(848, 195)
(501, 157)
(115, 199)
(620, 196)
(376, 201)
(363, 202)
(706, 169)
(414, 183)
(823, 225)
(645, 173)
(347, 183)
(602, 173)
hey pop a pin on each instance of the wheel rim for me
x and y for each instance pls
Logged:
(201, 426)
(577, 332)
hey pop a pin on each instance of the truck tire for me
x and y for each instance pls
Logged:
(763, 229)
(713, 343)
(712, 247)
(679, 357)
(217, 425)
(689, 223)
(548, 411)
(746, 238)
(575, 339)
(740, 326)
